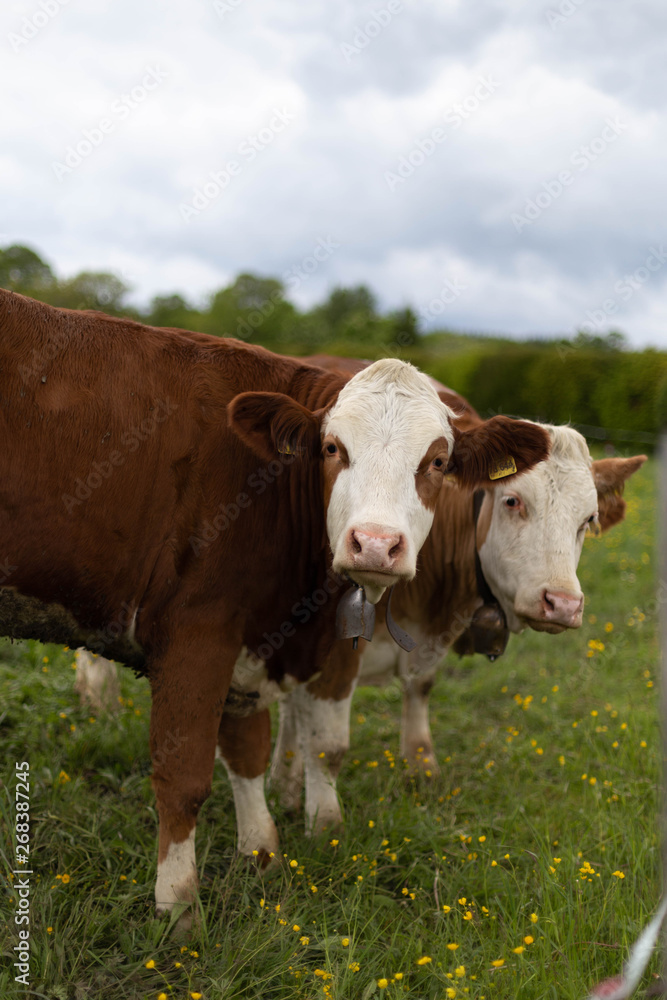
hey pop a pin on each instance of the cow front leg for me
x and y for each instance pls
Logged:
(286, 778)
(244, 746)
(324, 734)
(189, 685)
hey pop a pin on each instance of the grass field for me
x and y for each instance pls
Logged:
(526, 870)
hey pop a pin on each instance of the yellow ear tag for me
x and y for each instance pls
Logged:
(285, 451)
(504, 467)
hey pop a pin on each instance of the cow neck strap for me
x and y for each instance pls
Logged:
(488, 627)
(483, 588)
(398, 634)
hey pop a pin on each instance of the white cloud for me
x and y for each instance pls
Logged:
(324, 174)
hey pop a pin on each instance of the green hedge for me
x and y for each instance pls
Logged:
(616, 391)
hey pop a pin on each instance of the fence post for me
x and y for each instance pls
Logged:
(662, 578)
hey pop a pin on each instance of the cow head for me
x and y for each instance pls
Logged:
(531, 530)
(384, 446)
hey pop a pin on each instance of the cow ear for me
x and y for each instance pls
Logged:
(271, 424)
(609, 475)
(497, 448)
(463, 412)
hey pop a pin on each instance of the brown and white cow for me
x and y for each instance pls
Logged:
(188, 506)
(529, 535)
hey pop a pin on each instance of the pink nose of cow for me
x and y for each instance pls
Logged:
(373, 551)
(561, 608)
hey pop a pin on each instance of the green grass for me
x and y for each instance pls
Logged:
(549, 753)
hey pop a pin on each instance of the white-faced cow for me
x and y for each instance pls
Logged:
(528, 532)
(173, 502)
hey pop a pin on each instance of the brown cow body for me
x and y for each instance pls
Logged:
(136, 519)
(119, 472)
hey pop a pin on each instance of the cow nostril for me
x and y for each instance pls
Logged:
(354, 544)
(548, 604)
(396, 549)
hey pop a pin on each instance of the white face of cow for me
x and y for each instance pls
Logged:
(532, 533)
(387, 424)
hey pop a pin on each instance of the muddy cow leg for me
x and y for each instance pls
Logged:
(189, 685)
(244, 746)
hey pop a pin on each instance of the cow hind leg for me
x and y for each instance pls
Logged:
(96, 681)
(416, 740)
(244, 746)
(324, 735)
(286, 778)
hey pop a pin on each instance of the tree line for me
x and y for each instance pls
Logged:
(590, 380)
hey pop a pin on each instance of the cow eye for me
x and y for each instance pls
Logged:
(331, 448)
(512, 502)
(438, 463)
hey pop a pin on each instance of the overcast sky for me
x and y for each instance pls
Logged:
(498, 164)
